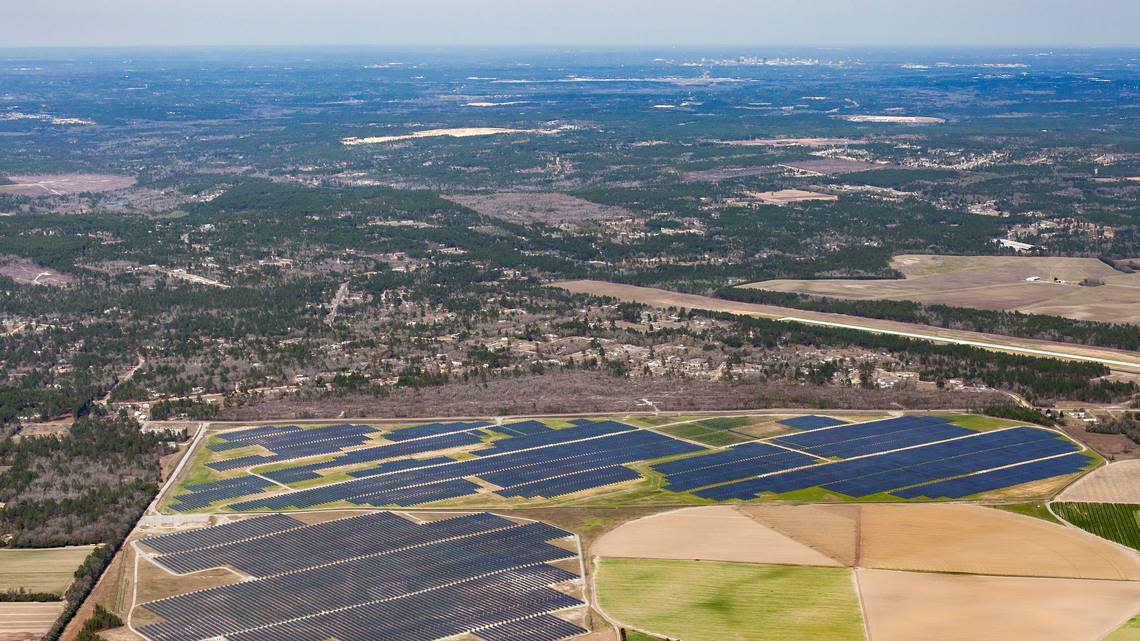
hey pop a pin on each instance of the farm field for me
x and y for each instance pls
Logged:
(992, 282)
(40, 570)
(606, 462)
(27, 621)
(662, 298)
(1128, 632)
(903, 606)
(1117, 482)
(1114, 521)
(941, 572)
(706, 601)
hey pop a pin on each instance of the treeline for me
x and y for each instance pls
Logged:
(1037, 326)
(1127, 424)
(196, 409)
(1040, 380)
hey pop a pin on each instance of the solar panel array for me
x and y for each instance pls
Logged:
(288, 443)
(519, 472)
(372, 578)
(201, 495)
(893, 470)
(875, 436)
(811, 422)
(219, 534)
(997, 479)
(748, 459)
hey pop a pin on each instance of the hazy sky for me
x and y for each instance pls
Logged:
(598, 23)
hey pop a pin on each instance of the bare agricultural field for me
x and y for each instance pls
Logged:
(830, 529)
(546, 207)
(970, 539)
(789, 196)
(27, 272)
(64, 184)
(1115, 483)
(27, 621)
(1022, 283)
(886, 118)
(903, 606)
(716, 533)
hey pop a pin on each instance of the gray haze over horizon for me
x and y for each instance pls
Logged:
(584, 23)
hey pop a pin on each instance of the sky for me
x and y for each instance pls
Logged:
(582, 23)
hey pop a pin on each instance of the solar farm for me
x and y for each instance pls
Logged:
(370, 577)
(529, 462)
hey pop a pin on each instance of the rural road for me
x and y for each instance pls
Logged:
(1119, 360)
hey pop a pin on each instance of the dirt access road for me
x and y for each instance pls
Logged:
(1118, 360)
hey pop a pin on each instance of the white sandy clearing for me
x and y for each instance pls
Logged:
(717, 533)
(464, 132)
(1114, 483)
(908, 606)
(972, 539)
(787, 196)
(910, 120)
(506, 103)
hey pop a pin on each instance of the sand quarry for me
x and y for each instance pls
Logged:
(1114, 483)
(944, 572)
(788, 196)
(994, 282)
(884, 118)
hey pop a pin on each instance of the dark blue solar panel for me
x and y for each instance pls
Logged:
(203, 494)
(528, 428)
(749, 459)
(811, 422)
(881, 473)
(852, 439)
(986, 481)
(571, 483)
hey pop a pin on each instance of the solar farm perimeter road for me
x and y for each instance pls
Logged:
(1119, 360)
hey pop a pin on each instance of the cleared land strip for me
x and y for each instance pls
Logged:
(1111, 358)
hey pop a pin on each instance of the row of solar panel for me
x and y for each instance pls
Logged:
(201, 495)
(295, 549)
(226, 533)
(875, 436)
(342, 584)
(997, 479)
(540, 628)
(899, 469)
(507, 469)
(378, 453)
(750, 459)
(475, 573)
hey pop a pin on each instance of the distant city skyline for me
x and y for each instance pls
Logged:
(582, 23)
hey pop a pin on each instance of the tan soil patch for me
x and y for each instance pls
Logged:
(906, 606)
(718, 533)
(19, 621)
(665, 298)
(830, 529)
(973, 539)
(788, 196)
(64, 184)
(1114, 483)
(993, 282)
